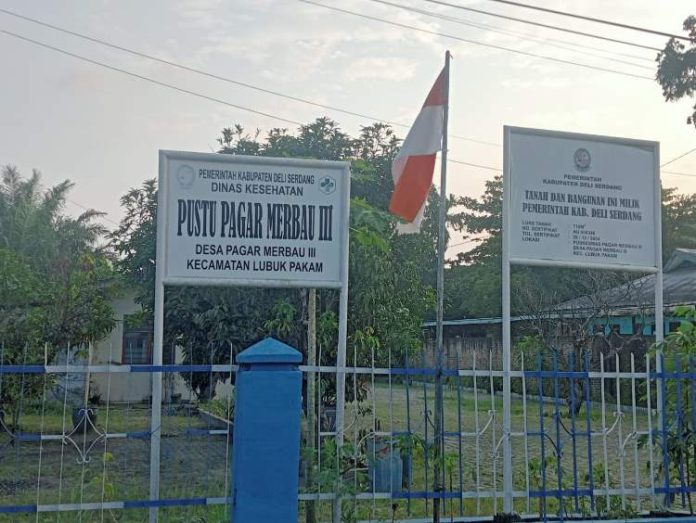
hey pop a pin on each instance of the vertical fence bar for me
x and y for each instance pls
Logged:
(663, 425)
(407, 377)
(311, 381)
(391, 421)
(41, 431)
(559, 443)
(477, 438)
(320, 409)
(692, 407)
(228, 436)
(374, 429)
(106, 429)
(588, 426)
(169, 410)
(190, 435)
(158, 339)
(156, 401)
(507, 341)
(680, 429)
(211, 392)
(341, 359)
(85, 427)
(459, 433)
(542, 464)
(619, 414)
(651, 442)
(127, 417)
(426, 421)
(356, 429)
(526, 433)
(62, 447)
(573, 434)
(20, 408)
(636, 476)
(2, 362)
(494, 439)
(659, 299)
(604, 433)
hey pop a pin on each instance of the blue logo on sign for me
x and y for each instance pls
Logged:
(327, 185)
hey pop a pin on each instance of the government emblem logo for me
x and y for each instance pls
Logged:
(185, 176)
(582, 160)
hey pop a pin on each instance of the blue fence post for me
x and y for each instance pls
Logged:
(266, 452)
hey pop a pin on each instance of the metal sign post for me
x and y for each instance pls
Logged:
(579, 201)
(226, 220)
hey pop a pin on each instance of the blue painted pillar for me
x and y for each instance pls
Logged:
(266, 451)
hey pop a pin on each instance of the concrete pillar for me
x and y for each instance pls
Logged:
(266, 452)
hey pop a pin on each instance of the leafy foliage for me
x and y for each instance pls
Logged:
(678, 221)
(679, 427)
(390, 275)
(482, 221)
(676, 70)
(55, 285)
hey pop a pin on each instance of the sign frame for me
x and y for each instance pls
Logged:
(508, 176)
(507, 261)
(340, 168)
(342, 171)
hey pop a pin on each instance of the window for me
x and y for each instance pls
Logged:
(137, 346)
(672, 326)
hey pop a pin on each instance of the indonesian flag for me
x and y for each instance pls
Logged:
(413, 166)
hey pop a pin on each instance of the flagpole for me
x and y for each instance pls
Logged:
(439, 344)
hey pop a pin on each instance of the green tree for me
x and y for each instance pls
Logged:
(55, 285)
(476, 272)
(389, 274)
(481, 220)
(679, 439)
(676, 71)
(678, 221)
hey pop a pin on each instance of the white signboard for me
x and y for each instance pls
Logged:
(581, 200)
(242, 220)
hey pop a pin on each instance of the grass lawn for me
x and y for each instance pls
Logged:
(470, 463)
(196, 466)
(191, 466)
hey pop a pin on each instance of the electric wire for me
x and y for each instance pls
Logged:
(471, 240)
(223, 102)
(487, 167)
(101, 216)
(146, 78)
(547, 39)
(678, 157)
(562, 45)
(175, 88)
(592, 19)
(226, 79)
(186, 91)
(687, 153)
(545, 26)
(475, 42)
(675, 173)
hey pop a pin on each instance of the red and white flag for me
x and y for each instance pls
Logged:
(413, 166)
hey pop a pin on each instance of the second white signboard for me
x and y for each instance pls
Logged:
(581, 200)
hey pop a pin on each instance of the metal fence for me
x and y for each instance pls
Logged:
(591, 437)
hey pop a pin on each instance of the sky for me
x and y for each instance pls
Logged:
(102, 129)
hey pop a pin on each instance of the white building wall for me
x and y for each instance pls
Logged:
(126, 387)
